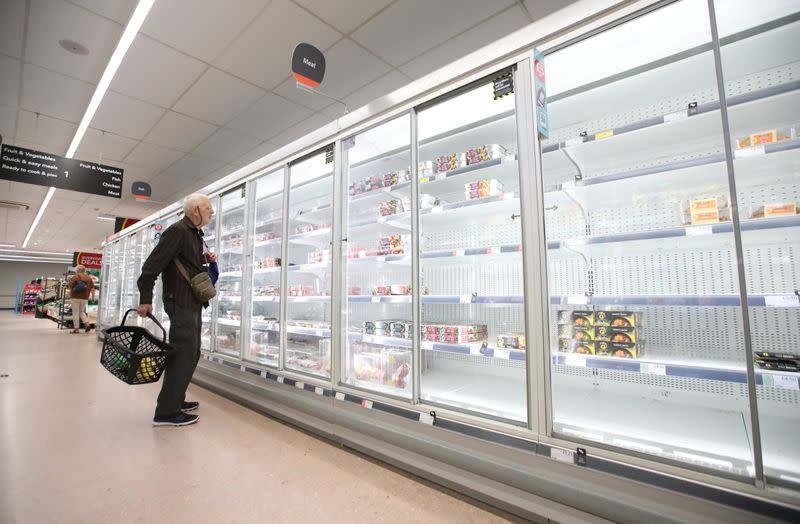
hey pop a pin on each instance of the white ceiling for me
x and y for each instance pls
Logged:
(205, 87)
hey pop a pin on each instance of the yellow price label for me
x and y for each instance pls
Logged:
(424, 180)
(604, 134)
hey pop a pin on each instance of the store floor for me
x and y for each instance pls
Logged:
(76, 445)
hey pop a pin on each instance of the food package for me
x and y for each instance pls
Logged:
(779, 365)
(581, 334)
(425, 168)
(399, 289)
(568, 346)
(616, 318)
(446, 162)
(771, 355)
(475, 155)
(775, 210)
(614, 349)
(625, 335)
(316, 257)
(393, 244)
(462, 338)
(390, 207)
(355, 290)
(381, 290)
(514, 341)
(483, 188)
(709, 210)
(427, 201)
(765, 137)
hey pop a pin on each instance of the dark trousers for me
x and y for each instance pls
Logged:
(184, 337)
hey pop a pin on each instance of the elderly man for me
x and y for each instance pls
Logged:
(182, 241)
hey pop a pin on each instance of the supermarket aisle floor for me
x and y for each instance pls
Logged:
(76, 445)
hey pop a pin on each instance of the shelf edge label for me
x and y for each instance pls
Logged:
(562, 455)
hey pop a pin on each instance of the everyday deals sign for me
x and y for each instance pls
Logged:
(88, 260)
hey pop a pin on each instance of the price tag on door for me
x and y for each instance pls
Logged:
(782, 382)
(781, 301)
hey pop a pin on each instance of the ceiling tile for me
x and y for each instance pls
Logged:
(12, 23)
(260, 151)
(383, 86)
(344, 17)
(179, 132)
(132, 173)
(10, 72)
(152, 156)
(349, 66)
(156, 73)
(213, 26)
(217, 97)
(274, 34)
(52, 20)
(119, 11)
(487, 32)
(100, 147)
(54, 94)
(191, 167)
(387, 34)
(126, 116)
(268, 117)
(290, 91)
(305, 127)
(541, 8)
(8, 121)
(225, 145)
(53, 133)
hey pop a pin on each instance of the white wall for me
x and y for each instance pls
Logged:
(26, 271)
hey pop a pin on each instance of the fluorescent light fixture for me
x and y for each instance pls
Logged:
(790, 478)
(13, 258)
(39, 215)
(8, 245)
(4, 252)
(717, 463)
(100, 217)
(134, 24)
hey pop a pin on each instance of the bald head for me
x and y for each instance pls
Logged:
(198, 208)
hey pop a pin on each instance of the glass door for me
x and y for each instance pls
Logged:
(761, 70)
(207, 315)
(228, 327)
(132, 268)
(470, 249)
(646, 339)
(267, 234)
(308, 307)
(378, 313)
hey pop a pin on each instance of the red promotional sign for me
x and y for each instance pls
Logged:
(88, 260)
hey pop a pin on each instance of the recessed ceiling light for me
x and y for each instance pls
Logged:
(73, 47)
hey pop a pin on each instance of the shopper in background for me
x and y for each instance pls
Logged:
(182, 241)
(81, 286)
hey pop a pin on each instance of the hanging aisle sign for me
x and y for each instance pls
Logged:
(46, 169)
(308, 65)
(540, 94)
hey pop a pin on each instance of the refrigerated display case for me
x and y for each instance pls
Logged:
(308, 271)
(378, 338)
(230, 259)
(267, 252)
(510, 295)
(208, 315)
(472, 320)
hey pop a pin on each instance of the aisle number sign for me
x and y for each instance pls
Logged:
(540, 94)
(46, 169)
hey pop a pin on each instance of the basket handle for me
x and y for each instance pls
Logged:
(151, 317)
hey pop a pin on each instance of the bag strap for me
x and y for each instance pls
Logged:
(183, 271)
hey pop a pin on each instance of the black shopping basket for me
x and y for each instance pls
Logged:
(133, 354)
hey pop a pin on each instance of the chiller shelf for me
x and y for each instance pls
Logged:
(228, 322)
(296, 330)
(778, 379)
(752, 224)
(660, 120)
(311, 237)
(772, 300)
(440, 299)
(475, 349)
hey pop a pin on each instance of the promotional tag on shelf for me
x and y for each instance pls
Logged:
(677, 115)
(575, 360)
(573, 142)
(604, 134)
(299, 385)
(562, 455)
(699, 230)
(426, 344)
(339, 395)
(781, 300)
(280, 379)
(654, 369)
(366, 404)
(426, 418)
(319, 391)
(781, 381)
(750, 151)
(502, 354)
(376, 300)
(476, 351)
(577, 300)
(465, 299)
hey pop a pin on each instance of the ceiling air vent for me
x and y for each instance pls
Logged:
(8, 204)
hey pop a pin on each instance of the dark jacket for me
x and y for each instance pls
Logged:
(73, 281)
(184, 241)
